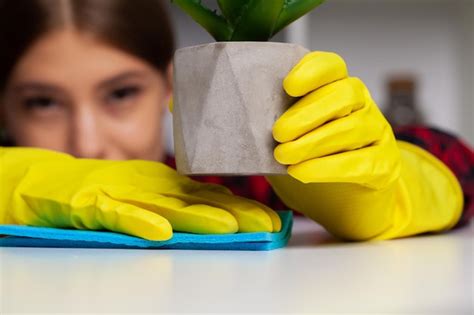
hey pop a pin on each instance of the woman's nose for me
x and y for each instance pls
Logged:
(86, 139)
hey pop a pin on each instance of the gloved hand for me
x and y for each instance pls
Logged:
(347, 171)
(141, 198)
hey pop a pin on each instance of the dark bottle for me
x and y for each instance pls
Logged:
(402, 109)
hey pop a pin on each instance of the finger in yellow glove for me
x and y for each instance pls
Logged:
(140, 198)
(346, 169)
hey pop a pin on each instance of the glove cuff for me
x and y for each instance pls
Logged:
(429, 196)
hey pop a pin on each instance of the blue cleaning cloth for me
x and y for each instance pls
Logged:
(29, 236)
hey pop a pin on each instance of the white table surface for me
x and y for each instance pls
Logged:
(315, 274)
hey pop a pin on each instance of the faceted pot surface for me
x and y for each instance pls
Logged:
(227, 96)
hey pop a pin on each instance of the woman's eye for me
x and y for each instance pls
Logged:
(123, 94)
(39, 103)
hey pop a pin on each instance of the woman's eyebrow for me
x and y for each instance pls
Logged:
(34, 85)
(120, 77)
(20, 87)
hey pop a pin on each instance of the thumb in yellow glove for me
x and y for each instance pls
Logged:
(346, 169)
(140, 198)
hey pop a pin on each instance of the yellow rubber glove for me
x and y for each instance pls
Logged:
(347, 171)
(141, 198)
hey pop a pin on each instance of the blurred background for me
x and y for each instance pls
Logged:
(415, 56)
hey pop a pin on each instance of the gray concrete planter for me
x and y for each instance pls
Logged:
(227, 95)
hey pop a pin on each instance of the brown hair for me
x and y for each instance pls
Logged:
(139, 27)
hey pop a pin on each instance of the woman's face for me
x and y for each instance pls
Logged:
(72, 93)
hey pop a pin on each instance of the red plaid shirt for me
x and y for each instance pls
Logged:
(449, 149)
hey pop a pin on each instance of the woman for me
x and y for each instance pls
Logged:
(92, 79)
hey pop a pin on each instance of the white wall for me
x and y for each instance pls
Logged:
(466, 58)
(427, 38)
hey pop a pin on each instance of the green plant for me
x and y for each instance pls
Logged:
(246, 20)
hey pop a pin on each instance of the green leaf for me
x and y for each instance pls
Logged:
(257, 20)
(293, 10)
(215, 24)
(232, 9)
